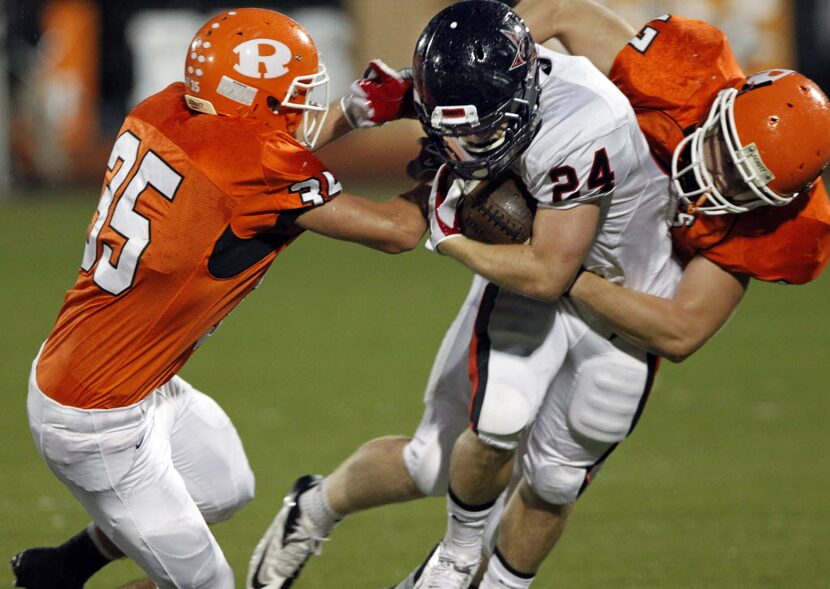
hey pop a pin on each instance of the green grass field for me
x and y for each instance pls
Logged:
(724, 484)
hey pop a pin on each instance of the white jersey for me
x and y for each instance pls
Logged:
(509, 363)
(589, 148)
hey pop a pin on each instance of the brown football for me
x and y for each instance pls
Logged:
(498, 211)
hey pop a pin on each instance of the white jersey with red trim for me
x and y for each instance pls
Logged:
(589, 148)
(509, 363)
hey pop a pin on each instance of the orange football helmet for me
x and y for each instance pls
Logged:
(776, 129)
(258, 62)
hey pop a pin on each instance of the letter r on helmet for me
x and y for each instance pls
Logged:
(251, 58)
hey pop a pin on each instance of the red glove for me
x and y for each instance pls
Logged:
(381, 95)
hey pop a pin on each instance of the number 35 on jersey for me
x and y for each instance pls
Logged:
(114, 272)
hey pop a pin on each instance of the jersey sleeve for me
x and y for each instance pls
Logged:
(586, 173)
(294, 179)
(671, 71)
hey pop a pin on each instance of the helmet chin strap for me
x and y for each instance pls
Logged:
(483, 149)
(292, 122)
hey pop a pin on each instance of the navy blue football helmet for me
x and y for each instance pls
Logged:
(476, 80)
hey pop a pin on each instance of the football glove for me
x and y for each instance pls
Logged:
(444, 222)
(381, 95)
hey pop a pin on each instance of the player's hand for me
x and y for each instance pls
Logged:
(381, 95)
(444, 222)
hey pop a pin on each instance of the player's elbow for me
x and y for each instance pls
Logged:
(546, 296)
(411, 237)
(405, 232)
(674, 357)
(394, 247)
(403, 240)
(542, 289)
(679, 347)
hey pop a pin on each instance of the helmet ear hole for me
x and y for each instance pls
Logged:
(273, 104)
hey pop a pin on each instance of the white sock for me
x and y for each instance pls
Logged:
(500, 575)
(465, 526)
(316, 507)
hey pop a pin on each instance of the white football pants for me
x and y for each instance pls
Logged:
(513, 369)
(152, 476)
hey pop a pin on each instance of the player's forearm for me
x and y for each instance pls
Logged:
(703, 302)
(334, 127)
(514, 267)
(653, 323)
(584, 27)
(392, 226)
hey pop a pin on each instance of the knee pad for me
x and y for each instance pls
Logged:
(606, 395)
(558, 484)
(427, 459)
(222, 505)
(176, 550)
(506, 413)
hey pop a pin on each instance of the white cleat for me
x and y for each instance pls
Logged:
(289, 542)
(440, 571)
(412, 578)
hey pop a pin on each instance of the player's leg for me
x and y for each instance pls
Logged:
(480, 469)
(376, 474)
(70, 564)
(206, 450)
(491, 529)
(119, 467)
(393, 469)
(373, 476)
(385, 470)
(593, 405)
(67, 566)
(512, 358)
(529, 529)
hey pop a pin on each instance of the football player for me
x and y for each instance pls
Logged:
(738, 148)
(489, 99)
(208, 182)
(745, 156)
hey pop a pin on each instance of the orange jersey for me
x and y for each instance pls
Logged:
(671, 72)
(194, 210)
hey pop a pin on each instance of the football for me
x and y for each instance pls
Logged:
(498, 211)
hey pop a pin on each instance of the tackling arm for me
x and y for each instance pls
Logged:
(673, 328)
(391, 226)
(584, 27)
(542, 269)
(335, 126)
(383, 94)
